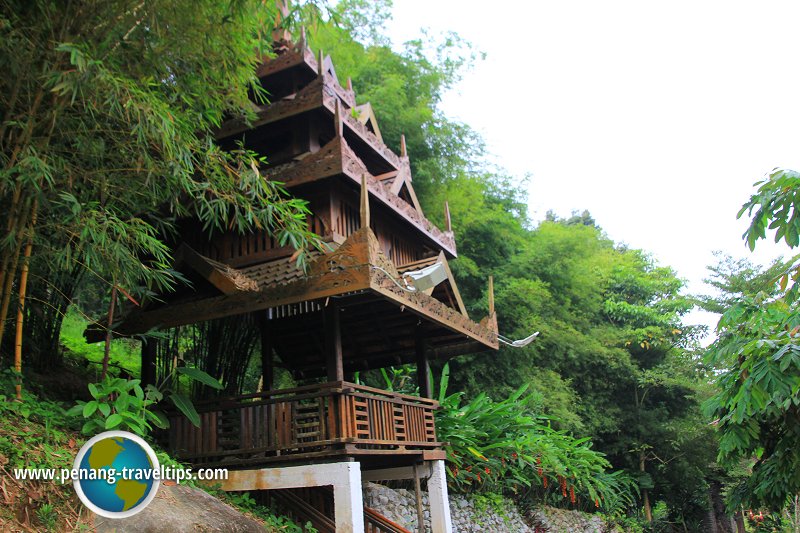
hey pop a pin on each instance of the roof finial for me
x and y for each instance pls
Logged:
(337, 119)
(448, 225)
(301, 43)
(403, 145)
(349, 84)
(364, 202)
(320, 67)
(281, 33)
(283, 11)
(491, 295)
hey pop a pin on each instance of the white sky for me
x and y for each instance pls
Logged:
(656, 117)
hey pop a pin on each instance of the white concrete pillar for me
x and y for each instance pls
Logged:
(437, 497)
(348, 502)
(345, 477)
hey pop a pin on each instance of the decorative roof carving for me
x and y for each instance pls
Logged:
(336, 158)
(357, 265)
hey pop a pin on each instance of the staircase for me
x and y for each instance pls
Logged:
(315, 505)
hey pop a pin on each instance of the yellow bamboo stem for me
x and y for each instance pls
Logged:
(23, 286)
(107, 347)
(8, 280)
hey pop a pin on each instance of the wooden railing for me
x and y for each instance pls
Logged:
(336, 418)
(316, 505)
(374, 522)
(312, 506)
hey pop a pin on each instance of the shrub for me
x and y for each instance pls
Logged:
(505, 446)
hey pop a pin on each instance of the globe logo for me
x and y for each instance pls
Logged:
(117, 474)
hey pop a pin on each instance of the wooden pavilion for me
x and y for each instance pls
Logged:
(362, 304)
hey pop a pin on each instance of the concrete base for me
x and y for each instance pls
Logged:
(438, 499)
(345, 478)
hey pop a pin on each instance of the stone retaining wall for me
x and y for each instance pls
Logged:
(471, 514)
(399, 505)
(568, 521)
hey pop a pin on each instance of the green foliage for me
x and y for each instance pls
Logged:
(736, 278)
(107, 139)
(119, 404)
(124, 353)
(123, 404)
(759, 397)
(505, 446)
(776, 208)
(757, 357)
(47, 516)
(31, 431)
(611, 360)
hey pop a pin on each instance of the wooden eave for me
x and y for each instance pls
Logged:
(337, 159)
(303, 57)
(448, 287)
(320, 93)
(287, 59)
(226, 279)
(354, 270)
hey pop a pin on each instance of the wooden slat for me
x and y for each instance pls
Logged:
(333, 419)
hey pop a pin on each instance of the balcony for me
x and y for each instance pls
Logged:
(332, 420)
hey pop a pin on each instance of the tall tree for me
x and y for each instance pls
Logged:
(757, 354)
(108, 110)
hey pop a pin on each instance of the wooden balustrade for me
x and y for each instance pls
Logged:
(336, 418)
(316, 505)
(374, 522)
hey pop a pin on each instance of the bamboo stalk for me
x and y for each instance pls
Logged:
(23, 286)
(6, 288)
(28, 131)
(12, 102)
(107, 347)
(10, 226)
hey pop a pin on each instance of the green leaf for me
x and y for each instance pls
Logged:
(121, 403)
(90, 408)
(158, 418)
(75, 410)
(153, 393)
(185, 406)
(198, 375)
(444, 381)
(104, 408)
(113, 421)
(476, 453)
(93, 391)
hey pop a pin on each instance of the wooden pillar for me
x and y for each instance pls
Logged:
(149, 347)
(333, 342)
(267, 367)
(423, 366)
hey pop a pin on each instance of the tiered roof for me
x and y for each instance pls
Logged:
(337, 155)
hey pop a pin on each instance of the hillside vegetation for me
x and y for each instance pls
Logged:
(107, 141)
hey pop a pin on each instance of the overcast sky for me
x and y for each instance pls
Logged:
(656, 117)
